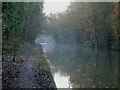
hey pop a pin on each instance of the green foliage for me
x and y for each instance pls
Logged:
(13, 21)
(21, 21)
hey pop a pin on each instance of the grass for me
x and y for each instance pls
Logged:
(42, 64)
(41, 61)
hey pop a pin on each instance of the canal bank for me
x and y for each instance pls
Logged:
(30, 72)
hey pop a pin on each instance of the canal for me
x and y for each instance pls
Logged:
(75, 66)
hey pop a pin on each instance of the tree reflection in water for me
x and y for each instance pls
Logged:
(85, 67)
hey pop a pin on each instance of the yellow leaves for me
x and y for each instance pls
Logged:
(75, 18)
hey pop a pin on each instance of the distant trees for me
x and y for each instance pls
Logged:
(105, 35)
(90, 24)
(34, 20)
(21, 21)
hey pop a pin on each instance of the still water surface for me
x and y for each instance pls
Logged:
(80, 67)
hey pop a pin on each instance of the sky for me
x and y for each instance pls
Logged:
(55, 7)
(58, 6)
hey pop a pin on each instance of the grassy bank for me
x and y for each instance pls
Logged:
(45, 78)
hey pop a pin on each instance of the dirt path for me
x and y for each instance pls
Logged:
(26, 76)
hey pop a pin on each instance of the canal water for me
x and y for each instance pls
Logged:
(81, 67)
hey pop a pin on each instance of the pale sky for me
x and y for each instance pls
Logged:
(58, 6)
(55, 7)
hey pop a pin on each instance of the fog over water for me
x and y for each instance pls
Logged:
(75, 66)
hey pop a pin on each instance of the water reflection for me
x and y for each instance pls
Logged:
(62, 81)
(47, 47)
(84, 67)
